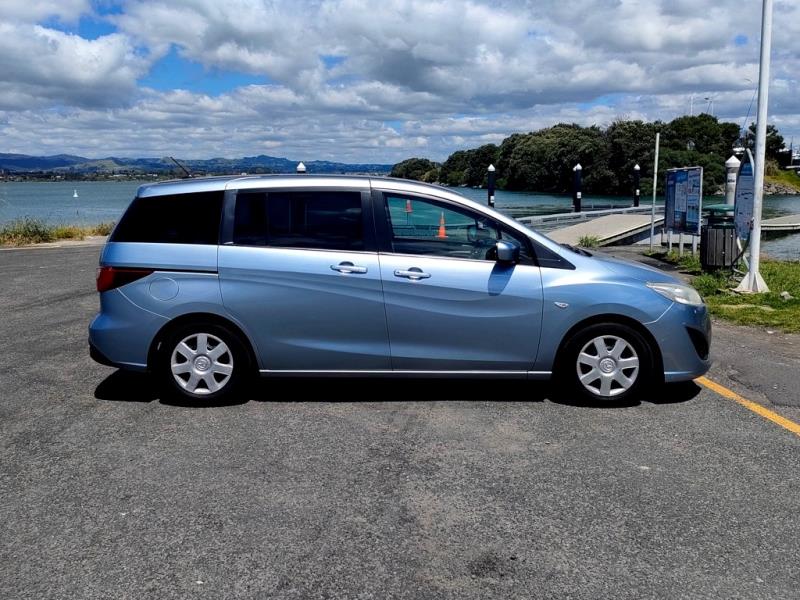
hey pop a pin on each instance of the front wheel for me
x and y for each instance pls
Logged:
(203, 363)
(607, 362)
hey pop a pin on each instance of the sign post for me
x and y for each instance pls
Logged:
(653, 206)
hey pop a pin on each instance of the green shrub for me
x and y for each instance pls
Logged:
(25, 231)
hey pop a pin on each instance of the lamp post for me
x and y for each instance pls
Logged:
(490, 185)
(710, 105)
(753, 282)
(636, 173)
(576, 187)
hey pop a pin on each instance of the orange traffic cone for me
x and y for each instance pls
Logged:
(409, 209)
(442, 231)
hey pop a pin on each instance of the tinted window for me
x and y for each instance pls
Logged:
(326, 220)
(177, 219)
(422, 226)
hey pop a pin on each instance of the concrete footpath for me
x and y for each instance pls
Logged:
(308, 489)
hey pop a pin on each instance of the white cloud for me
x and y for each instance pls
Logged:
(41, 66)
(412, 76)
(35, 10)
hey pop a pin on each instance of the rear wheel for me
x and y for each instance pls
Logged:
(607, 362)
(203, 363)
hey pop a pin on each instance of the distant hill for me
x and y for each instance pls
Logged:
(67, 163)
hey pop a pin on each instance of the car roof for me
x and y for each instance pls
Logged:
(299, 181)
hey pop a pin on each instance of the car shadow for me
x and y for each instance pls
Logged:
(669, 393)
(125, 386)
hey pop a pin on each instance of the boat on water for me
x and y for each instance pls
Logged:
(74, 193)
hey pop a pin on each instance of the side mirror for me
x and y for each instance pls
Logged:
(507, 252)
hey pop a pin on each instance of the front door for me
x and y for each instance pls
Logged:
(449, 305)
(301, 273)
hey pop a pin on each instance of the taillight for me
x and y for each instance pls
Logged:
(109, 278)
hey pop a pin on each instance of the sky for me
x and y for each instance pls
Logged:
(372, 81)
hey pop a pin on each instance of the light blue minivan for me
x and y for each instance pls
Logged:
(207, 281)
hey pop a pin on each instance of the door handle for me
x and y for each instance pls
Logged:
(414, 274)
(348, 267)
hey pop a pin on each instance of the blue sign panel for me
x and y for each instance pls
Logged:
(684, 200)
(743, 203)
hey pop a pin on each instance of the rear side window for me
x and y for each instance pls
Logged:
(324, 220)
(175, 219)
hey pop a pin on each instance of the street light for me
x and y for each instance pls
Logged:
(710, 105)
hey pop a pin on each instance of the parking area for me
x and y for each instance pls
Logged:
(311, 489)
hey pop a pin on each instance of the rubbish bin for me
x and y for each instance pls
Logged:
(718, 238)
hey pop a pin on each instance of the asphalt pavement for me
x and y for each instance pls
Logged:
(312, 489)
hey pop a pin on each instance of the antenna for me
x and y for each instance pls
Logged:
(185, 170)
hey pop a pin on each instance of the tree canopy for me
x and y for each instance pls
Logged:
(543, 160)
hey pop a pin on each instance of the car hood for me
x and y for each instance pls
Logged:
(633, 269)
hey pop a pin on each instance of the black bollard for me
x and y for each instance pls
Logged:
(490, 186)
(576, 188)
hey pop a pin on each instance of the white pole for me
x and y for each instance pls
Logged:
(655, 181)
(753, 282)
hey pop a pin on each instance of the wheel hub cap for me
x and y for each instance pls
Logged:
(607, 365)
(201, 364)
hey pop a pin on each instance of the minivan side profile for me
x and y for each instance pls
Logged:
(205, 282)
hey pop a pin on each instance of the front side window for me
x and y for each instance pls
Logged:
(324, 220)
(173, 219)
(423, 226)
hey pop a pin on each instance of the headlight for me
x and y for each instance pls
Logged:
(685, 294)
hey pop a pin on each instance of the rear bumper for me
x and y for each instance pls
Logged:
(99, 357)
(683, 334)
(122, 332)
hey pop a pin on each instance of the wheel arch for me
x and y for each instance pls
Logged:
(655, 350)
(185, 319)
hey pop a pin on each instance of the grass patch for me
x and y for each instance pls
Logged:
(765, 310)
(688, 263)
(787, 178)
(589, 241)
(34, 231)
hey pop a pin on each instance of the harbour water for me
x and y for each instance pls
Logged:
(102, 202)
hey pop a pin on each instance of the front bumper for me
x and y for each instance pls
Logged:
(683, 334)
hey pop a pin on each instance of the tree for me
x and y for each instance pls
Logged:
(630, 143)
(415, 168)
(543, 160)
(468, 167)
(774, 141)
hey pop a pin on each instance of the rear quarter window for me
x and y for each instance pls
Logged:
(172, 219)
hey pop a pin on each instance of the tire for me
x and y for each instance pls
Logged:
(606, 362)
(203, 363)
